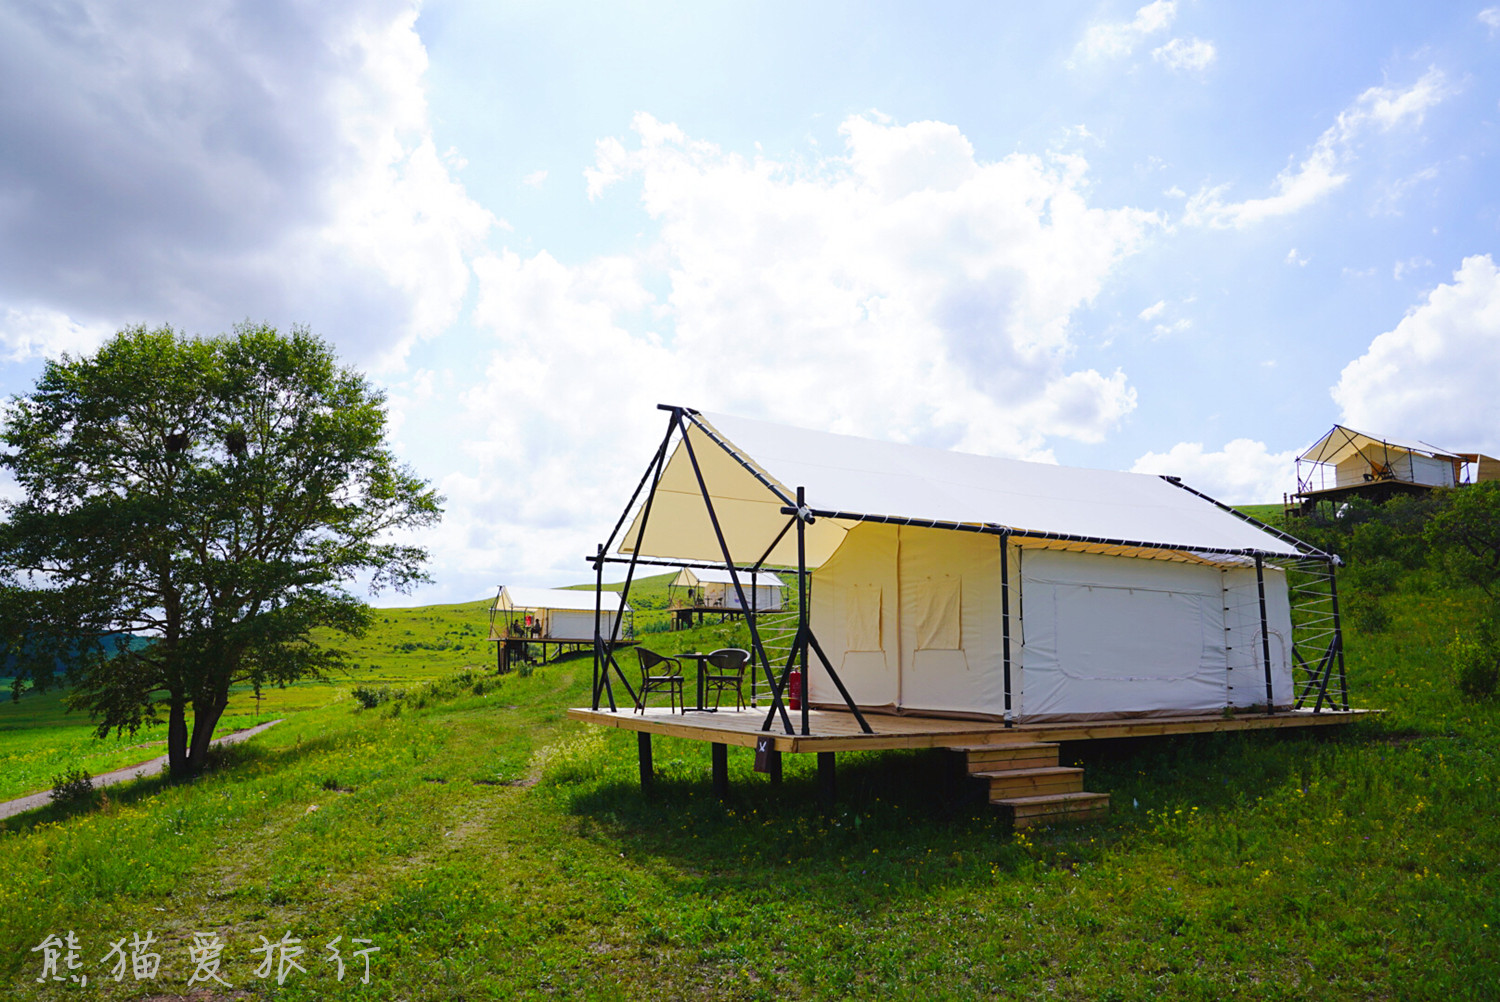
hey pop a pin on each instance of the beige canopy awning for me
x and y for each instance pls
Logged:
(1341, 443)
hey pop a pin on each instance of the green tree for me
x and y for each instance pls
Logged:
(1466, 533)
(190, 510)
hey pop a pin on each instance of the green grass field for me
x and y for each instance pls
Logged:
(492, 849)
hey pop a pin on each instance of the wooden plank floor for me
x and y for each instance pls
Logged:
(836, 730)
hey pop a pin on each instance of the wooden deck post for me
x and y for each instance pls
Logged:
(720, 754)
(643, 751)
(773, 761)
(827, 787)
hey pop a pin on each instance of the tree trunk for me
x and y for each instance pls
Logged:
(205, 718)
(177, 739)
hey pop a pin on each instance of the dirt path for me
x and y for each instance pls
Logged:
(9, 808)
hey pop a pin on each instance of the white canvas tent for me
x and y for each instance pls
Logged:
(560, 614)
(953, 584)
(1345, 458)
(713, 588)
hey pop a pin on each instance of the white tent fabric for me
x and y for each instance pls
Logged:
(537, 599)
(562, 614)
(857, 476)
(716, 587)
(1357, 458)
(907, 604)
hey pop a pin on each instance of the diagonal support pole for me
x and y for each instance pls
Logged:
(734, 576)
(606, 649)
(848, 699)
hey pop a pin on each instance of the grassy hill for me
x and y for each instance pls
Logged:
(491, 849)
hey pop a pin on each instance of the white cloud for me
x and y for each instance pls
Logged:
(1292, 257)
(1114, 39)
(1194, 54)
(1178, 326)
(201, 164)
(535, 179)
(1243, 472)
(1154, 310)
(1411, 264)
(1490, 18)
(43, 332)
(903, 290)
(1326, 167)
(1432, 376)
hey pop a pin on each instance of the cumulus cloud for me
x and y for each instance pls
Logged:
(1115, 39)
(1490, 18)
(1325, 168)
(1432, 376)
(200, 163)
(902, 289)
(1181, 54)
(1243, 472)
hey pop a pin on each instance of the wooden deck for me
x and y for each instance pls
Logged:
(835, 731)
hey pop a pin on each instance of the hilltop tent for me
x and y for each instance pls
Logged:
(551, 614)
(953, 584)
(1345, 462)
(713, 588)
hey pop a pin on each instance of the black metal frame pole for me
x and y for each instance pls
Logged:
(1005, 621)
(778, 687)
(1338, 632)
(1265, 631)
(734, 575)
(779, 536)
(804, 619)
(805, 635)
(598, 633)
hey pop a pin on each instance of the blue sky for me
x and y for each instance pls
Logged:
(1174, 237)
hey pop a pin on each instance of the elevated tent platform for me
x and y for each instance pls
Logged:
(935, 584)
(698, 592)
(526, 622)
(1345, 463)
(839, 731)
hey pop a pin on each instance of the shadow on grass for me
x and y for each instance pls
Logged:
(909, 806)
(224, 761)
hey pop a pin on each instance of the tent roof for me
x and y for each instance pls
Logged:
(752, 469)
(554, 598)
(1341, 442)
(716, 575)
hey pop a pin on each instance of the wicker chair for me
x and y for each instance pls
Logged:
(659, 672)
(729, 673)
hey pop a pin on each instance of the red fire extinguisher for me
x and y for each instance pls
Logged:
(794, 689)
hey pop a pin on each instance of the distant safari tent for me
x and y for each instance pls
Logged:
(1345, 463)
(700, 591)
(528, 621)
(967, 597)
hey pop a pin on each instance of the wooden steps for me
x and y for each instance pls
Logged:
(1025, 779)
